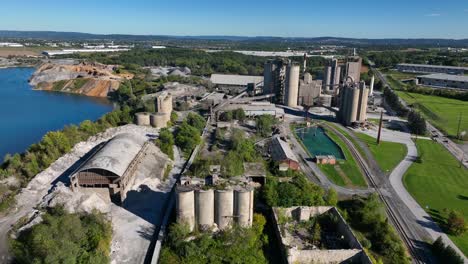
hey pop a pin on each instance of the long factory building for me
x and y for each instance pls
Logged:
(426, 68)
(444, 81)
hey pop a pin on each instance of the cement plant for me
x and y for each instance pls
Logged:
(236, 150)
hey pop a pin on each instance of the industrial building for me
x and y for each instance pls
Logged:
(353, 103)
(425, 68)
(233, 82)
(309, 90)
(202, 204)
(338, 70)
(282, 153)
(339, 245)
(253, 109)
(442, 80)
(274, 75)
(113, 166)
(332, 76)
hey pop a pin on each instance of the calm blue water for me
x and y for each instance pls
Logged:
(27, 115)
(318, 143)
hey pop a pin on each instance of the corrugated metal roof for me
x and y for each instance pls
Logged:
(433, 66)
(231, 79)
(117, 154)
(443, 76)
(280, 150)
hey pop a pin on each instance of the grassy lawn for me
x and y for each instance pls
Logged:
(441, 112)
(388, 154)
(438, 182)
(347, 170)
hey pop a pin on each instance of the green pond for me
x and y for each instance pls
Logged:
(318, 143)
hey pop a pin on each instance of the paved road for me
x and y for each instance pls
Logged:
(396, 181)
(453, 148)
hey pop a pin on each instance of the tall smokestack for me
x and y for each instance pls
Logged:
(305, 63)
(371, 92)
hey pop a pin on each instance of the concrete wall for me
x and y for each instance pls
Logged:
(323, 256)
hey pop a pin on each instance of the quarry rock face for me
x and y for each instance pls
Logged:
(91, 79)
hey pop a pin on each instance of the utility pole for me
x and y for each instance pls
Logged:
(380, 127)
(459, 124)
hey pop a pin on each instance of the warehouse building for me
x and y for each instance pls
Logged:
(282, 153)
(253, 109)
(425, 68)
(235, 82)
(444, 81)
(113, 166)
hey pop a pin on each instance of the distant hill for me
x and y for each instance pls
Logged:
(77, 36)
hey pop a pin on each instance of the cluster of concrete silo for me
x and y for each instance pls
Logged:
(209, 208)
(163, 106)
(353, 105)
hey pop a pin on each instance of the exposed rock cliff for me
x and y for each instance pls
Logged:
(91, 79)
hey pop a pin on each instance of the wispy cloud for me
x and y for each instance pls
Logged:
(433, 15)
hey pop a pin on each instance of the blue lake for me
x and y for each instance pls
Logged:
(27, 115)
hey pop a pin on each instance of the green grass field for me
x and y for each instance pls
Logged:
(348, 172)
(441, 112)
(437, 183)
(387, 154)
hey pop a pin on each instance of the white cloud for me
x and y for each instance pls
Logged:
(433, 15)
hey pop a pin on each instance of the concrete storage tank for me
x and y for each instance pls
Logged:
(164, 103)
(224, 200)
(363, 98)
(328, 75)
(292, 84)
(142, 119)
(159, 120)
(268, 77)
(185, 206)
(244, 207)
(353, 106)
(204, 208)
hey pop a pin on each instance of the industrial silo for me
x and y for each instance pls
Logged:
(185, 206)
(328, 75)
(292, 84)
(164, 103)
(224, 209)
(204, 208)
(353, 105)
(244, 207)
(159, 120)
(363, 97)
(142, 119)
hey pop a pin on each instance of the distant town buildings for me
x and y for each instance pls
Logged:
(425, 68)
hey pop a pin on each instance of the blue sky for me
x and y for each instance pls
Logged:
(289, 18)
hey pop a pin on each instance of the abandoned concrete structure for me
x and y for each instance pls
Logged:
(113, 166)
(203, 204)
(338, 244)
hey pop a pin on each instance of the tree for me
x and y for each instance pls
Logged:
(196, 121)
(416, 123)
(456, 223)
(239, 114)
(445, 254)
(332, 197)
(166, 142)
(187, 137)
(265, 125)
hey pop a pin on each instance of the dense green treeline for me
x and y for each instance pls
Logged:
(200, 62)
(65, 238)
